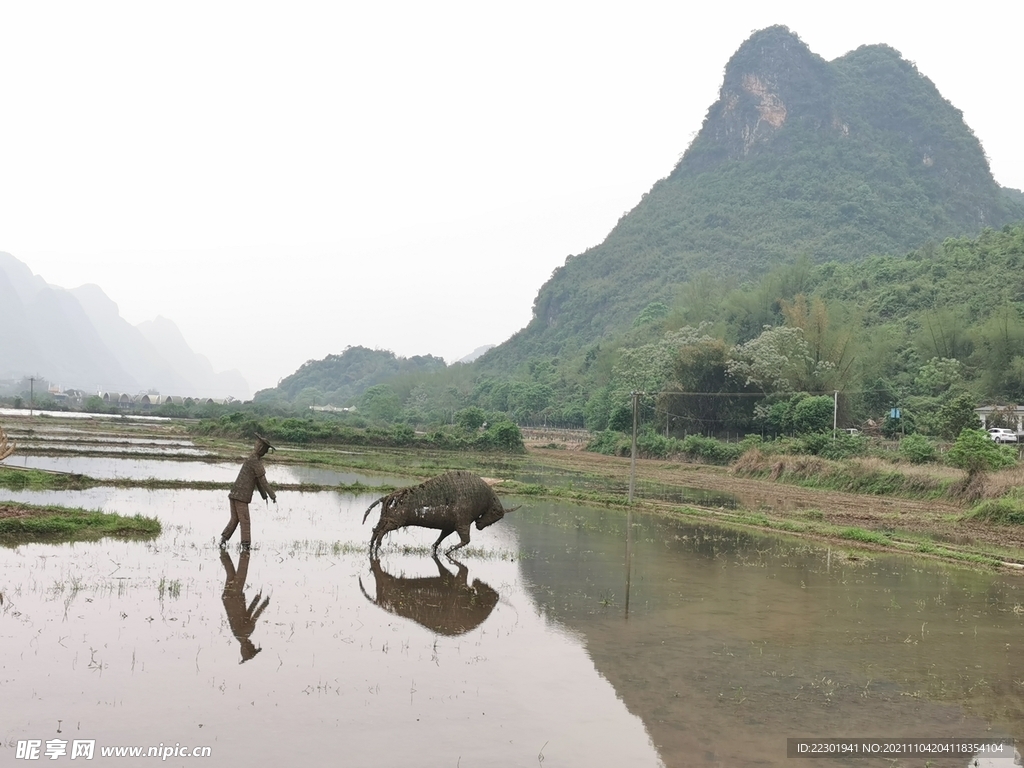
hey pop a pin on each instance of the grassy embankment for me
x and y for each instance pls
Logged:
(872, 476)
(36, 480)
(1001, 492)
(23, 523)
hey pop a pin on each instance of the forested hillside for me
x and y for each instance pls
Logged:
(915, 331)
(340, 379)
(834, 161)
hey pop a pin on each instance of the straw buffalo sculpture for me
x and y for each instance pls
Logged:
(451, 503)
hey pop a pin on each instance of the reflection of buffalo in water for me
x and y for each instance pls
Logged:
(445, 604)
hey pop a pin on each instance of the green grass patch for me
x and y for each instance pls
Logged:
(358, 487)
(653, 445)
(865, 536)
(38, 480)
(515, 488)
(26, 523)
(1005, 511)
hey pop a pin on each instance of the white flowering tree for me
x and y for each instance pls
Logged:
(778, 361)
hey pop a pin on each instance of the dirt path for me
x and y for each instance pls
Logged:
(938, 520)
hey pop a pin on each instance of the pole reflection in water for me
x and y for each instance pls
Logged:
(629, 553)
(445, 604)
(242, 616)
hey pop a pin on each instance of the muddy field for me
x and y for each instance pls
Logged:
(937, 519)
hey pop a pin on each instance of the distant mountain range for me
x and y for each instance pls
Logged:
(478, 352)
(77, 339)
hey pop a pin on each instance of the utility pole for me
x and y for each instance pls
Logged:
(31, 395)
(629, 509)
(835, 411)
(632, 463)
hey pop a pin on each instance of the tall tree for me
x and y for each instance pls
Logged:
(702, 396)
(830, 348)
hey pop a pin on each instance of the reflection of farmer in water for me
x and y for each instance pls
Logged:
(241, 617)
(252, 476)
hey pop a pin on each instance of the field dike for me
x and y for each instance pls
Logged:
(858, 502)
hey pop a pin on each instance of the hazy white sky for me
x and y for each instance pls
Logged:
(286, 179)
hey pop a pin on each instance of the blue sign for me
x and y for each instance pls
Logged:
(894, 413)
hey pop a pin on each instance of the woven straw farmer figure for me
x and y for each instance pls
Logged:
(252, 476)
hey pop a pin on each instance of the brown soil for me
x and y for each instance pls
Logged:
(7, 512)
(938, 520)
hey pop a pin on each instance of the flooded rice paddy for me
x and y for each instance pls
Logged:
(106, 468)
(562, 637)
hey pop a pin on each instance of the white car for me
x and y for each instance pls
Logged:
(1001, 435)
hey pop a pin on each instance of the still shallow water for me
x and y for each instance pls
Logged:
(131, 644)
(106, 468)
(712, 649)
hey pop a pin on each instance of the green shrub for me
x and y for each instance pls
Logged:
(840, 445)
(471, 419)
(976, 452)
(654, 445)
(813, 414)
(610, 443)
(711, 450)
(917, 449)
(812, 444)
(402, 434)
(845, 445)
(505, 436)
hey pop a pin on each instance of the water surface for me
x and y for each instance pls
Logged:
(543, 648)
(113, 468)
(134, 644)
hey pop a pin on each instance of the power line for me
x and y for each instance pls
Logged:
(822, 393)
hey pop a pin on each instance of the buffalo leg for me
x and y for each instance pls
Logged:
(464, 535)
(379, 532)
(375, 541)
(445, 533)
